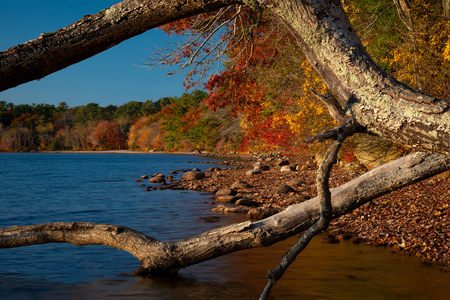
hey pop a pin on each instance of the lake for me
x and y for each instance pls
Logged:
(66, 187)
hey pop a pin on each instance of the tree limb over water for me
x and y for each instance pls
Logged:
(166, 258)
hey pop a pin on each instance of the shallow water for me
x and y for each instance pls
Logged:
(39, 188)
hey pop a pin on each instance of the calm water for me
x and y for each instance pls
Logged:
(40, 188)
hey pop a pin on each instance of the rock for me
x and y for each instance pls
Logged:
(149, 188)
(261, 212)
(173, 172)
(238, 209)
(265, 168)
(196, 170)
(141, 184)
(246, 202)
(139, 180)
(329, 240)
(301, 167)
(282, 162)
(286, 169)
(157, 179)
(282, 189)
(209, 219)
(240, 185)
(225, 192)
(144, 177)
(373, 152)
(195, 175)
(214, 169)
(295, 183)
(252, 172)
(228, 198)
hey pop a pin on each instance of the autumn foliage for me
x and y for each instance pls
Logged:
(260, 99)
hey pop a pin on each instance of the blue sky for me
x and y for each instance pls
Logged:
(107, 78)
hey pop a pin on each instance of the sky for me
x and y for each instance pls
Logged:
(107, 78)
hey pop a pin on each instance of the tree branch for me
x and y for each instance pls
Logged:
(163, 258)
(324, 195)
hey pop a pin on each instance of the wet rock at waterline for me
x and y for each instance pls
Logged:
(209, 219)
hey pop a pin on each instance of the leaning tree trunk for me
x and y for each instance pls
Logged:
(378, 102)
(163, 258)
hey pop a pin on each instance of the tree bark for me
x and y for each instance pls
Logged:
(163, 258)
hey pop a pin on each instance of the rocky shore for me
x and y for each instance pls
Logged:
(411, 221)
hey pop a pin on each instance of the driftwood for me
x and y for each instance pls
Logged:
(165, 258)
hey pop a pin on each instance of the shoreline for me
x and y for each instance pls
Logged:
(391, 221)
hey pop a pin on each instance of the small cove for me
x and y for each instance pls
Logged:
(39, 188)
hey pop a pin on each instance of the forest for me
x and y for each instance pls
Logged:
(261, 101)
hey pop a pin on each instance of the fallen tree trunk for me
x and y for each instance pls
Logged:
(166, 258)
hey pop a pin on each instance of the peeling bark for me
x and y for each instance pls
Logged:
(163, 258)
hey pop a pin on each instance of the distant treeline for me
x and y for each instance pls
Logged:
(170, 123)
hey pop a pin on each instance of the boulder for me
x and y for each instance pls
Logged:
(246, 202)
(173, 172)
(139, 180)
(144, 177)
(282, 189)
(240, 185)
(225, 192)
(157, 179)
(141, 184)
(373, 152)
(195, 175)
(196, 170)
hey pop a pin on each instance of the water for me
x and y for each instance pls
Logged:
(41, 188)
